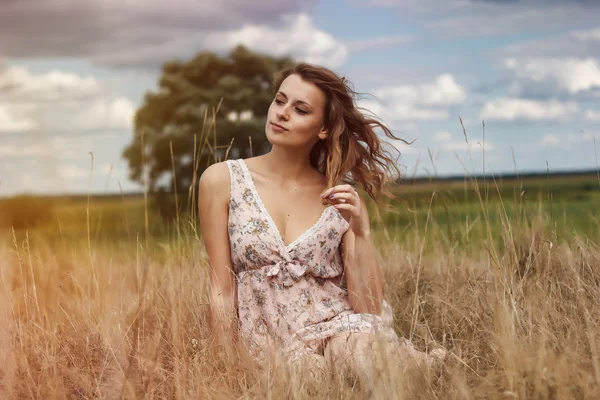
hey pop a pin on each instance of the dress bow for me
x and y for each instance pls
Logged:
(286, 272)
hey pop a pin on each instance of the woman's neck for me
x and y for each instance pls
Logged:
(288, 165)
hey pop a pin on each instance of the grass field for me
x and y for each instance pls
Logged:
(508, 280)
(460, 211)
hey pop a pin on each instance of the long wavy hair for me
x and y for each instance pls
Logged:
(352, 152)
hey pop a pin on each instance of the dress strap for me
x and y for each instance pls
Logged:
(236, 179)
(241, 203)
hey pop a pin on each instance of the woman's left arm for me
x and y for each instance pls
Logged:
(363, 273)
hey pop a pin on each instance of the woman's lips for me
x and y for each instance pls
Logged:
(277, 127)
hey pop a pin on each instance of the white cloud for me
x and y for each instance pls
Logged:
(550, 140)
(58, 100)
(7, 166)
(572, 75)
(421, 102)
(303, 40)
(72, 172)
(379, 42)
(464, 146)
(444, 91)
(403, 111)
(116, 113)
(78, 147)
(523, 109)
(592, 115)
(565, 141)
(573, 44)
(24, 151)
(28, 183)
(20, 85)
(14, 118)
(442, 136)
(588, 35)
(51, 121)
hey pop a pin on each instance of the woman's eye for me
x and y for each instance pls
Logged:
(299, 110)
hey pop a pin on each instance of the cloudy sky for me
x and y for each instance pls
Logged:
(72, 73)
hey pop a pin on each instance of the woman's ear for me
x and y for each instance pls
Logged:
(323, 133)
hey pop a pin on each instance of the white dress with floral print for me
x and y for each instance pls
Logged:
(292, 296)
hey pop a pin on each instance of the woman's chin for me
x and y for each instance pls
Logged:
(276, 137)
(283, 139)
(279, 142)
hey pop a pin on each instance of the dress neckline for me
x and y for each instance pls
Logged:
(309, 232)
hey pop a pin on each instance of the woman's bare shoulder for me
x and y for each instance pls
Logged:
(215, 180)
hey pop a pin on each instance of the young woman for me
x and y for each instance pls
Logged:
(288, 272)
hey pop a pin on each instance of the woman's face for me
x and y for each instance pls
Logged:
(295, 116)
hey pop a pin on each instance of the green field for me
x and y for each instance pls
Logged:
(446, 212)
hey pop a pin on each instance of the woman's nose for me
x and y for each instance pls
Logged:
(282, 113)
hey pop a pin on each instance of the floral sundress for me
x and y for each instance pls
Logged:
(294, 296)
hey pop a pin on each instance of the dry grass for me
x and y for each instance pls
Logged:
(90, 320)
(86, 319)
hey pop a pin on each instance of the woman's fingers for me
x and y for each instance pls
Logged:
(338, 190)
(349, 207)
(348, 197)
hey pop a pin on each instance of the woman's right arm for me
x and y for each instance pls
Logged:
(213, 209)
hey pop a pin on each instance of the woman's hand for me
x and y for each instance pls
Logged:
(344, 197)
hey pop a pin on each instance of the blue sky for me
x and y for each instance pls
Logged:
(72, 73)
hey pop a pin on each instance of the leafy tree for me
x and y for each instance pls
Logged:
(209, 94)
